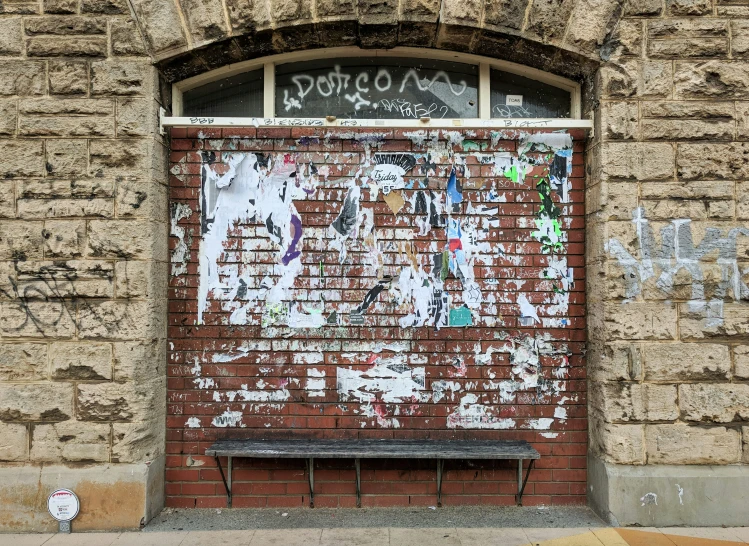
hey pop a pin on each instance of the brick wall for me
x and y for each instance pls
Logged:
(243, 372)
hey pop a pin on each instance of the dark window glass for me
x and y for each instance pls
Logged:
(237, 96)
(377, 88)
(514, 96)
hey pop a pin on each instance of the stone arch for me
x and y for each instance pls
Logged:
(566, 37)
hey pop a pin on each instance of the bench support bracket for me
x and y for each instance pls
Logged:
(311, 474)
(227, 486)
(440, 467)
(357, 463)
(522, 483)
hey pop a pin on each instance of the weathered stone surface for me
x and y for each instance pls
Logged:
(7, 200)
(10, 36)
(205, 19)
(67, 278)
(637, 160)
(137, 117)
(64, 238)
(657, 79)
(119, 402)
(625, 40)
(105, 7)
(139, 361)
(742, 201)
(140, 279)
(137, 199)
(118, 158)
(693, 189)
(687, 28)
(81, 361)
(67, 157)
(621, 444)
(121, 78)
(65, 208)
(70, 441)
(22, 78)
(688, 129)
(44, 46)
(161, 24)
(712, 110)
(120, 320)
(48, 402)
(714, 403)
(643, 7)
(614, 361)
(740, 39)
(47, 189)
(505, 13)
(693, 325)
(65, 25)
(685, 361)
(689, 7)
(742, 119)
(741, 361)
(246, 15)
(712, 79)
(461, 12)
(8, 117)
(120, 238)
(619, 80)
(619, 120)
(713, 161)
(21, 158)
(688, 48)
(622, 402)
(60, 6)
(682, 444)
(548, 19)
(637, 320)
(14, 442)
(138, 442)
(20, 240)
(23, 361)
(588, 27)
(68, 77)
(126, 40)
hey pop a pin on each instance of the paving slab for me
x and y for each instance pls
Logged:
(492, 536)
(715, 533)
(542, 534)
(446, 536)
(82, 539)
(372, 536)
(286, 537)
(218, 538)
(29, 539)
(609, 537)
(139, 538)
(646, 536)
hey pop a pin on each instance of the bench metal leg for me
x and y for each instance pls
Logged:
(440, 467)
(522, 483)
(357, 463)
(227, 486)
(311, 473)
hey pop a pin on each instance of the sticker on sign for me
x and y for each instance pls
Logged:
(63, 505)
(514, 100)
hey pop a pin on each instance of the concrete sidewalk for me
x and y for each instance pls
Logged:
(396, 536)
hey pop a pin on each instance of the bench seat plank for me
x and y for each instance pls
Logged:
(374, 449)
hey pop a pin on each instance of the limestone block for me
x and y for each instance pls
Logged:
(139, 199)
(617, 200)
(120, 320)
(161, 24)
(625, 40)
(711, 79)
(745, 451)
(60, 6)
(22, 78)
(120, 402)
(141, 279)
(548, 19)
(138, 442)
(587, 29)
(246, 15)
(714, 403)
(688, 129)
(21, 158)
(740, 39)
(706, 110)
(7, 200)
(685, 361)
(10, 36)
(613, 361)
(48, 402)
(64, 238)
(637, 160)
(68, 77)
(657, 79)
(65, 25)
(619, 120)
(49, 46)
(683, 444)
(23, 361)
(36, 319)
(81, 361)
(139, 361)
(67, 117)
(20, 240)
(461, 12)
(66, 278)
(619, 80)
(8, 117)
(621, 444)
(505, 13)
(67, 157)
(90, 188)
(689, 7)
(105, 7)
(123, 239)
(110, 158)
(137, 117)
(636, 320)
(667, 209)
(741, 361)
(626, 401)
(122, 78)
(14, 442)
(693, 189)
(62, 208)
(70, 441)
(205, 19)
(643, 7)
(125, 37)
(713, 161)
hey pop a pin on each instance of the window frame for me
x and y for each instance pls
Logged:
(485, 65)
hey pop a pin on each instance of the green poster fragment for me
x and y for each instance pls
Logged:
(461, 317)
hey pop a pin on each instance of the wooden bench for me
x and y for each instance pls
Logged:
(373, 449)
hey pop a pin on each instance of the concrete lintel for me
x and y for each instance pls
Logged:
(113, 496)
(669, 495)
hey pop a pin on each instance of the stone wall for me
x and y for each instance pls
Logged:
(82, 264)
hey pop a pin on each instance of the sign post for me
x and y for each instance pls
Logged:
(63, 505)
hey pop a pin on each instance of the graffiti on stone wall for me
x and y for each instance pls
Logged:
(416, 233)
(709, 267)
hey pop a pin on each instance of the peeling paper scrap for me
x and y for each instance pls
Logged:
(394, 200)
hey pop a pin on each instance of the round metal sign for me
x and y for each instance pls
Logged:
(63, 505)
